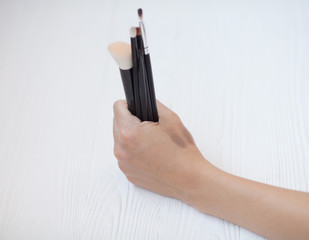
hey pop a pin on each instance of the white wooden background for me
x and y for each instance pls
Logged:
(237, 72)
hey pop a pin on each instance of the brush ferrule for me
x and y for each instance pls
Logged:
(143, 31)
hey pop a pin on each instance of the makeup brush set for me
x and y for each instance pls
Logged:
(136, 73)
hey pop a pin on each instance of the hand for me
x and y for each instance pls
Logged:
(161, 157)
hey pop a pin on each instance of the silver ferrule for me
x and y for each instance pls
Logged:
(143, 31)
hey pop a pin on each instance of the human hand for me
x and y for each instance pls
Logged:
(161, 157)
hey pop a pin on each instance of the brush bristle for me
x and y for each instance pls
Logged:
(140, 13)
(121, 52)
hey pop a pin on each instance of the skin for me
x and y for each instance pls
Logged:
(163, 158)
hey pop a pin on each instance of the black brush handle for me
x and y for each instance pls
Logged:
(142, 86)
(144, 89)
(155, 117)
(149, 116)
(128, 89)
(135, 79)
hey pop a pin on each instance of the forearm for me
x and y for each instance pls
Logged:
(269, 211)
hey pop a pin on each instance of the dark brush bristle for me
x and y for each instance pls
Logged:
(140, 12)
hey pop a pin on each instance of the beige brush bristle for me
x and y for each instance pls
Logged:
(121, 52)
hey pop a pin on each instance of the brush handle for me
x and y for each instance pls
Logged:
(135, 79)
(152, 95)
(143, 81)
(143, 87)
(126, 76)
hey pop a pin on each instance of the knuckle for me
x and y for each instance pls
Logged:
(122, 155)
(117, 104)
(119, 154)
(126, 135)
(173, 116)
(175, 120)
(121, 166)
(123, 135)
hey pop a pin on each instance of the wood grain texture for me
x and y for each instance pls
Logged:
(236, 72)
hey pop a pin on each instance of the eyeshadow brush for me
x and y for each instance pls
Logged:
(153, 102)
(144, 90)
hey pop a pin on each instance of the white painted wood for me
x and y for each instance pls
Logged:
(236, 72)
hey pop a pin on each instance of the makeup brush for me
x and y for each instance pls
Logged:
(142, 81)
(135, 79)
(121, 52)
(153, 102)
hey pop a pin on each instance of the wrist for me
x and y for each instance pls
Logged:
(207, 185)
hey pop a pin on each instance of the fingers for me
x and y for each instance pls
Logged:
(122, 116)
(115, 131)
